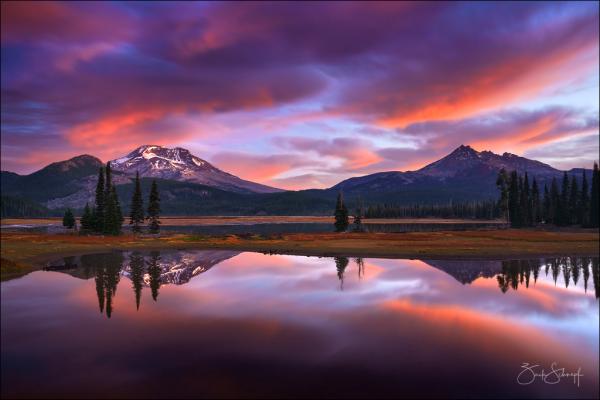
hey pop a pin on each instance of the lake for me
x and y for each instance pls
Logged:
(215, 323)
(279, 228)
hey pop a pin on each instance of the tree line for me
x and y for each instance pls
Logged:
(524, 205)
(105, 216)
(469, 210)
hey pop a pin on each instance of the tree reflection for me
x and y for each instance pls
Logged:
(361, 267)
(517, 273)
(107, 269)
(340, 264)
(154, 273)
(136, 265)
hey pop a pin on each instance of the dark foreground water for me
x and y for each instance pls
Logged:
(228, 324)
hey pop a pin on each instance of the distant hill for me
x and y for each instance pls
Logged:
(192, 186)
(465, 174)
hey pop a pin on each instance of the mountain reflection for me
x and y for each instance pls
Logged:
(154, 269)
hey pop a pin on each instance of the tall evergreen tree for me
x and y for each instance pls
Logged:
(595, 198)
(68, 219)
(87, 222)
(574, 197)
(564, 201)
(535, 203)
(584, 202)
(341, 214)
(118, 214)
(502, 184)
(546, 208)
(555, 207)
(513, 199)
(526, 205)
(99, 206)
(136, 216)
(154, 209)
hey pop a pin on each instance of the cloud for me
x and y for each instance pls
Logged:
(334, 80)
(355, 153)
(256, 167)
(515, 128)
(580, 151)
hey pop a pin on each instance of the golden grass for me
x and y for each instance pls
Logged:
(23, 251)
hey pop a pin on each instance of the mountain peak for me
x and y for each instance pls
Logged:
(464, 150)
(180, 164)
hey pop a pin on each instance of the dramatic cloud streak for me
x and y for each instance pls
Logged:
(296, 94)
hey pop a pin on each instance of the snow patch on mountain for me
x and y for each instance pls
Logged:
(179, 164)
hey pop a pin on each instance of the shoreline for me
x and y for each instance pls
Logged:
(271, 219)
(25, 252)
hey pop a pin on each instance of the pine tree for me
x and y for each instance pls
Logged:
(109, 206)
(99, 206)
(87, 222)
(513, 199)
(564, 201)
(341, 214)
(535, 203)
(154, 209)
(584, 202)
(137, 206)
(502, 184)
(595, 198)
(68, 219)
(117, 215)
(526, 204)
(573, 201)
(555, 207)
(546, 209)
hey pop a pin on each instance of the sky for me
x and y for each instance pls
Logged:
(300, 95)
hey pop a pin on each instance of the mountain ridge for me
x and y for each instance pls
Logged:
(463, 175)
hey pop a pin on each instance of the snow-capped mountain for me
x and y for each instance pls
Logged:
(176, 267)
(181, 165)
(180, 267)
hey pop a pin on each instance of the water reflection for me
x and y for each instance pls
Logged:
(401, 328)
(520, 272)
(151, 270)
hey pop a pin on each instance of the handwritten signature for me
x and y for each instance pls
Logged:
(530, 372)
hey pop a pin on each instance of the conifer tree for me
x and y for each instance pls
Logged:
(341, 214)
(109, 207)
(546, 213)
(137, 206)
(154, 209)
(117, 214)
(573, 200)
(595, 198)
(513, 199)
(87, 219)
(99, 206)
(555, 207)
(564, 201)
(502, 184)
(535, 202)
(526, 203)
(68, 219)
(584, 202)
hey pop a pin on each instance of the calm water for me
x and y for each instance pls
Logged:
(228, 324)
(280, 228)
